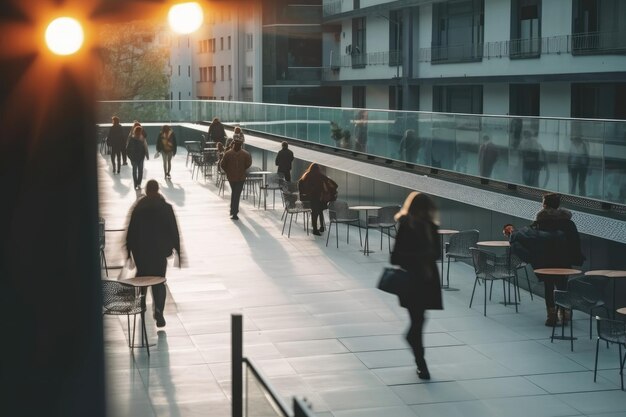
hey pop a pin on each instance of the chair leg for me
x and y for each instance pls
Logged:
(284, 222)
(337, 234)
(473, 290)
(448, 273)
(290, 219)
(330, 228)
(389, 239)
(504, 292)
(145, 332)
(595, 367)
(554, 327)
(621, 367)
(571, 329)
(485, 299)
(104, 261)
(490, 289)
(530, 290)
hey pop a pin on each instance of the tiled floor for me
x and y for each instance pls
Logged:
(317, 326)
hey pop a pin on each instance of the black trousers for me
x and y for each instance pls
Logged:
(116, 154)
(287, 175)
(550, 283)
(317, 210)
(414, 335)
(148, 266)
(236, 188)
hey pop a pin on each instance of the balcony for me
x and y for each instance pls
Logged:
(598, 43)
(390, 58)
(456, 53)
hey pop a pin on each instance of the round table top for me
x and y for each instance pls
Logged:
(610, 273)
(557, 271)
(365, 207)
(143, 281)
(447, 231)
(495, 243)
(621, 310)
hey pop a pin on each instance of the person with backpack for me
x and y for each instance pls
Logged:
(137, 150)
(318, 190)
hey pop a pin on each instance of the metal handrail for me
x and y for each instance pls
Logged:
(283, 408)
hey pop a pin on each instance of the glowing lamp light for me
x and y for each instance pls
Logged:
(185, 18)
(64, 36)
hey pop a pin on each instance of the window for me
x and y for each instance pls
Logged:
(222, 73)
(525, 29)
(214, 74)
(358, 97)
(599, 100)
(395, 97)
(248, 41)
(395, 37)
(598, 27)
(524, 99)
(229, 43)
(230, 72)
(249, 72)
(221, 43)
(457, 31)
(358, 43)
(458, 99)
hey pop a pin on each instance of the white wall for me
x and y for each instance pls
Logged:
(377, 97)
(555, 99)
(426, 98)
(496, 98)
(556, 18)
(497, 20)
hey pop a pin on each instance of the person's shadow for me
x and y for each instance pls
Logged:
(174, 193)
(163, 373)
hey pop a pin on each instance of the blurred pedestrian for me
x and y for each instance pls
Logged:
(533, 159)
(487, 157)
(151, 237)
(360, 131)
(318, 190)
(137, 150)
(284, 160)
(416, 250)
(216, 132)
(117, 142)
(235, 163)
(577, 165)
(166, 146)
(409, 146)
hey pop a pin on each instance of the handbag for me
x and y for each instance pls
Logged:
(394, 280)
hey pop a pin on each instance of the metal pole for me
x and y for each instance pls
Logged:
(236, 348)
(397, 65)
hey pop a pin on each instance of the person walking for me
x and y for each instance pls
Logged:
(235, 163)
(311, 186)
(216, 132)
(533, 159)
(284, 160)
(360, 131)
(577, 165)
(551, 241)
(152, 236)
(416, 250)
(117, 142)
(237, 135)
(409, 146)
(487, 157)
(166, 146)
(137, 150)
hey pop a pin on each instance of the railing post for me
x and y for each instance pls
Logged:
(236, 349)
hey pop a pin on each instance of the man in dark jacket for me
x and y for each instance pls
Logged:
(216, 132)
(151, 237)
(235, 163)
(552, 241)
(117, 141)
(284, 160)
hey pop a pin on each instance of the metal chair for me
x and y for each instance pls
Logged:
(101, 244)
(194, 148)
(582, 295)
(295, 206)
(120, 299)
(458, 247)
(338, 212)
(251, 183)
(384, 219)
(288, 189)
(611, 331)
(273, 184)
(487, 268)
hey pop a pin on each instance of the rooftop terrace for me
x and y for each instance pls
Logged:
(318, 327)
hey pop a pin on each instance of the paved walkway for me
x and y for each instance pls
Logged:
(318, 328)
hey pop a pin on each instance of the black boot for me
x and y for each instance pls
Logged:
(422, 369)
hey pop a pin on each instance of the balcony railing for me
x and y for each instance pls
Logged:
(391, 58)
(332, 7)
(445, 141)
(592, 43)
(456, 53)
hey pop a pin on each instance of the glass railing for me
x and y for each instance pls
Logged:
(583, 157)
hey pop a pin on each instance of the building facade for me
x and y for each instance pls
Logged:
(560, 58)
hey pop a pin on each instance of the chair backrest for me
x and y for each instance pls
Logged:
(274, 180)
(611, 330)
(484, 262)
(338, 210)
(193, 146)
(583, 292)
(119, 298)
(386, 215)
(290, 187)
(460, 243)
(101, 232)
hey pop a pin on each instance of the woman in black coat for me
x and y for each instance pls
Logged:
(311, 186)
(416, 250)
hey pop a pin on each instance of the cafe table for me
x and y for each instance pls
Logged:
(442, 234)
(264, 184)
(613, 275)
(142, 284)
(366, 209)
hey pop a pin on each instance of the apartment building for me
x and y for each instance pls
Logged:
(561, 58)
(180, 64)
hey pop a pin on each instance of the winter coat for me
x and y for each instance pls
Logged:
(235, 163)
(552, 241)
(137, 149)
(152, 230)
(310, 187)
(116, 139)
(217, 133)
(416, 250)
(167, 143)
(284, 160)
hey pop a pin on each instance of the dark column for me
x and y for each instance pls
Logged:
(51, 356)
